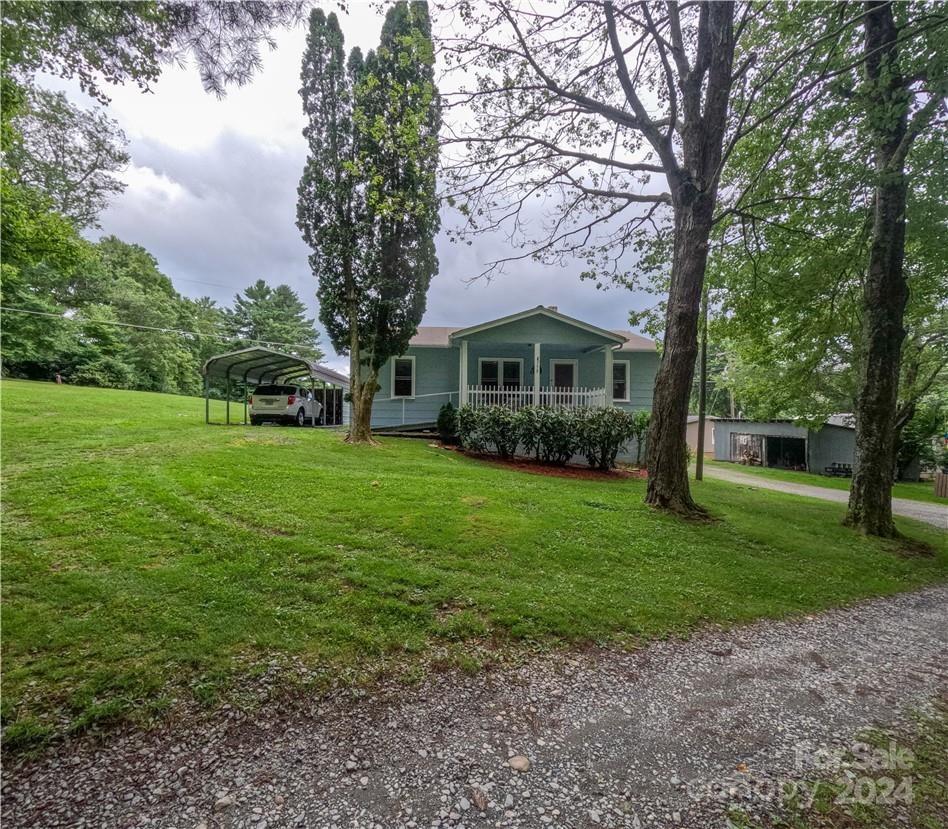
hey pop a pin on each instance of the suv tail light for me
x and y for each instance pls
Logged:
(251, 400)
(291, 400)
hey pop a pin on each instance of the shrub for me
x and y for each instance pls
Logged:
(448, 423)
(467, 427)
(602, 434)
(497, 430)
(107, 372)
(640, 424)
(557, 434)
(527, 425)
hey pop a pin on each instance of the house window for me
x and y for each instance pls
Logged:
(494, 372)
(403, 377)
(620, 381)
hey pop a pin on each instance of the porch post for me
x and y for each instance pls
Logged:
(607, 391)
(462, 379)
(536, 374)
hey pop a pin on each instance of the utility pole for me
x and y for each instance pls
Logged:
(703, 387)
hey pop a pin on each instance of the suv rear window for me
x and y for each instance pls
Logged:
(278, 391)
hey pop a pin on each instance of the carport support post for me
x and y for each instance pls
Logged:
(312, 392)
(245, 402)
(228, 397)
(325, 418)
(207, 399)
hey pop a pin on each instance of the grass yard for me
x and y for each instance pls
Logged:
(913, 491)
(149, 559)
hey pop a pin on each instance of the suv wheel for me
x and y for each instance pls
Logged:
(301, 418)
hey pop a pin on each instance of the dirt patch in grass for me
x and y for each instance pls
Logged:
(569, 471)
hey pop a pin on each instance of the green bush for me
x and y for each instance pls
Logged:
(527, 424)
(497, 430)
(106, 372)
(448, 423)
(468, 432)
(550, 435)
(602, 433)
(557, 434)
(640, 423)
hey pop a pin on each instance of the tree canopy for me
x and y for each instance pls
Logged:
(70, 154)
(277, 316)
(367, 205)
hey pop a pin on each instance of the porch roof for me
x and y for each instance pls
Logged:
(445, 336)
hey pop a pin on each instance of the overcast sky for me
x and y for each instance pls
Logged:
(212, 195)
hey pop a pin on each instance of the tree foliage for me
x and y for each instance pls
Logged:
(129, 41)
(70, 154)
(277, 316)
(793, 260)
(367, 204)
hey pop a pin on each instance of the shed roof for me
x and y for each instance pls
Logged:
(850, 426)
(259, 365)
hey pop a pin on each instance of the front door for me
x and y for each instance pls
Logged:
(564, 374)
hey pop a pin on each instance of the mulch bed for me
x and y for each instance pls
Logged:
(536, 468)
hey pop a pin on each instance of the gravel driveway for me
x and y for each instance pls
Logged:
(930, 513)
(653, 738)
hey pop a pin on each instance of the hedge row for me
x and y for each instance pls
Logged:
(550, 435)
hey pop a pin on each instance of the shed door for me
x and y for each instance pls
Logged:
(747, 448)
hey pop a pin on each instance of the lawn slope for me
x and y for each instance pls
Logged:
(149, 558)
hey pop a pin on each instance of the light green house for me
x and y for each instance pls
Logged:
(538, 356)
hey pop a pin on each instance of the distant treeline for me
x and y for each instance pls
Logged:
(103, 314)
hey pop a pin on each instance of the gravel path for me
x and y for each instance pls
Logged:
(930, 513)
(653, 738)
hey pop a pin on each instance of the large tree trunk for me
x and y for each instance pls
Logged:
(361, 388)
(886, 290)
(667, 446)
(694, 187)
(360, 424)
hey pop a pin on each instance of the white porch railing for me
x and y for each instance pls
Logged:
(516, 397)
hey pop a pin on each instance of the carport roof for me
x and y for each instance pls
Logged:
(259, 365)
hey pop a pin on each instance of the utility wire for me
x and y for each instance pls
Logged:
(218, 338)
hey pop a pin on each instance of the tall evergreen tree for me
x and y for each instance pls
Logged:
(367, 203)
(278, 316)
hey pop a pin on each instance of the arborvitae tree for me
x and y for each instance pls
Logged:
(275, 315)
(367, 203)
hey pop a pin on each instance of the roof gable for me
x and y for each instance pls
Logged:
(543, 311)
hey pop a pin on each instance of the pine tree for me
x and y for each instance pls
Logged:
(276, 316)
(367, 203)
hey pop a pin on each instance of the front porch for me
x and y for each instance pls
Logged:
(537, 358)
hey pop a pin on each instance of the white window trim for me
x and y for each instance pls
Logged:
(628, 381)
(500, 369)
(558, 362)
(413, 377)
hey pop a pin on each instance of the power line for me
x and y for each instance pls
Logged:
(150, 328)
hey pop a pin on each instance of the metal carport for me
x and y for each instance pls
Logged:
(259, 366)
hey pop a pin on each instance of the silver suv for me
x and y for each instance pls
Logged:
(284, 404)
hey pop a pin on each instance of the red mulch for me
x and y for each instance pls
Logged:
(568, 471)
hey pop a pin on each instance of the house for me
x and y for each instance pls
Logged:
(691, 435)
(782, 444)
(537, 356)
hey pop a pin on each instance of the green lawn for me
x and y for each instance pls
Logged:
(149, 558)
(919, 491)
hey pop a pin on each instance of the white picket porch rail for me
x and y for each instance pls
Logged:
(517, 397)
